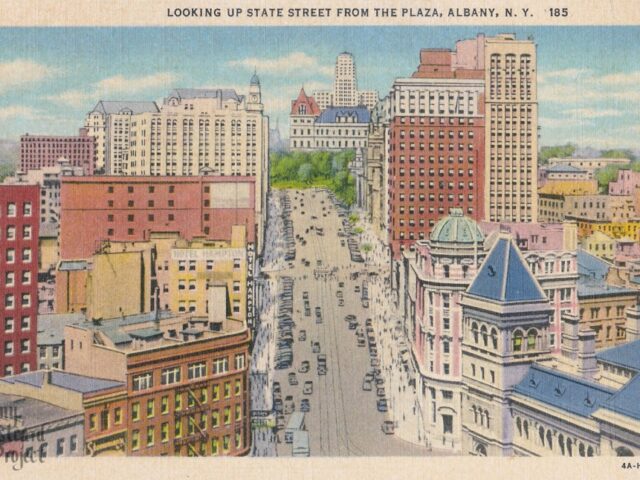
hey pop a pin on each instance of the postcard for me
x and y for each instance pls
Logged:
(291, 240)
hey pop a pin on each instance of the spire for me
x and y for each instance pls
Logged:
(254, 79)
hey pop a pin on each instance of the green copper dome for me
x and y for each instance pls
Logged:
(456, 228)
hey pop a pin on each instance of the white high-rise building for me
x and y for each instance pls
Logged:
(345, 87)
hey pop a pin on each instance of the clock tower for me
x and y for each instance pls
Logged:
(254, 102)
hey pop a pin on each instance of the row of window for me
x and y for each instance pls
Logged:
(10, 301)
(12, 209)
(43, 449)
(195, 370)
(10, 278)
(26, 232)
(9, 324)
(25, 347)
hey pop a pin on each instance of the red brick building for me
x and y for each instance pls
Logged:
(116, 208)
(436, 147)
(19, 225)
(38, 151)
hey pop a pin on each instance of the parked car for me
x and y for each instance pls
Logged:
(289, 405)
(381, 404)
(315, 348)
(307, 389)
(293, 380)
(388, 427)
(322, 364)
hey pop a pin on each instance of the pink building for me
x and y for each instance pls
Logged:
(439, 272)
(550, 252)
(39, 151)
(626, 183)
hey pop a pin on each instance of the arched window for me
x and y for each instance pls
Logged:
(494, 338)
(517, 341)
(481, 450)
(623, 452)
(483, 331)
(474, 331)
(486, 413)
(549, 440)
(475, 415)
(590, 451)
(569, 447)
(519, 426)
(541, 434)
(531, 339)
(581, 449)
(561, 443)
(526, 429)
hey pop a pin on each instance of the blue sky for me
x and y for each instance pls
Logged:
(50, 78)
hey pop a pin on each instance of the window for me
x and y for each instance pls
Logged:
(104, 419)
(26, 300)
(26, 277)
(150, 436)
(25, 345)
(117, 415)
(11, 209)
(135, 440)
(239, 361)
(446, 369)
(170, 375)
(178, 429)
(142, 381)
(178, 401)
(11, 232)
(9, 279)
(8, 325)
(236, 287)
(215, 444)
(215, 419)
(9, 301)
(517, 341)
(227, 415)
(92, 421)
(164, 405)
(135, 411)
(227, 389)
(151, 406)
(215, 392)
(43, 450)
(164, 432)
(238, 387)
(73, 443)
(11, 255)
(60, 447)
(197, 370)
(26, 255)
(220, 365)
(8, 348)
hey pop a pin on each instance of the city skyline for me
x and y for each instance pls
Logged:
(586, 75)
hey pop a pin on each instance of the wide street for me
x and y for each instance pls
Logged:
(343, 418)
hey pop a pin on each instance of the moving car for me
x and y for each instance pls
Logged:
(304, 367)
(322, 364)
(289, 405)
(388, 427)
(307, 389)
(302, 336)
(293, 380)
(305, 406)
(381, 404)
(315, 347)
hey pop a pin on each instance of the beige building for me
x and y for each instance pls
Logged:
(588, 164)
(199, 130)
(555, 208)
(511, 133)
(110, 122)
(197, 266)
(600, 244)
(345, 91)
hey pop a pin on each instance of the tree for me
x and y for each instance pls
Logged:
(305, 173)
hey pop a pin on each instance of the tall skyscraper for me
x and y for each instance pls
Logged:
(345, 91)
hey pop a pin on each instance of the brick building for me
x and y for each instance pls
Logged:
(187, 382)
(117, 208)
(39, 151)
(436, 147)
(19, 226)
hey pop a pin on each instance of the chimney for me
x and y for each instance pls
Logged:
(633, 323)
(218, 305)
(587, 365)
(570, 333)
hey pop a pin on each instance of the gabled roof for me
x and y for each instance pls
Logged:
(109, 107)
(304, 99)
(189, 93)
(626, 400)
(591, 266)
(626, 355)
(330, 115)
(566, 392)
(505, 277)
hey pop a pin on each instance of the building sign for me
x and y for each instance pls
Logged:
(207, 253)
(250, 284)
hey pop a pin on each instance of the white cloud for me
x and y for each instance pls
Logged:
(613, 79)
(19, 111)
(18, 73)
(110, 86)
(295, 62)
(584, 113)
(567, 73)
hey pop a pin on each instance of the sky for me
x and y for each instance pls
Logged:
(588, 77)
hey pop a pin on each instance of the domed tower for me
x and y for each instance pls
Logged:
(443, 268)
(254, 102)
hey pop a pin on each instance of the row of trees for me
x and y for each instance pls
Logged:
(314, 169)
